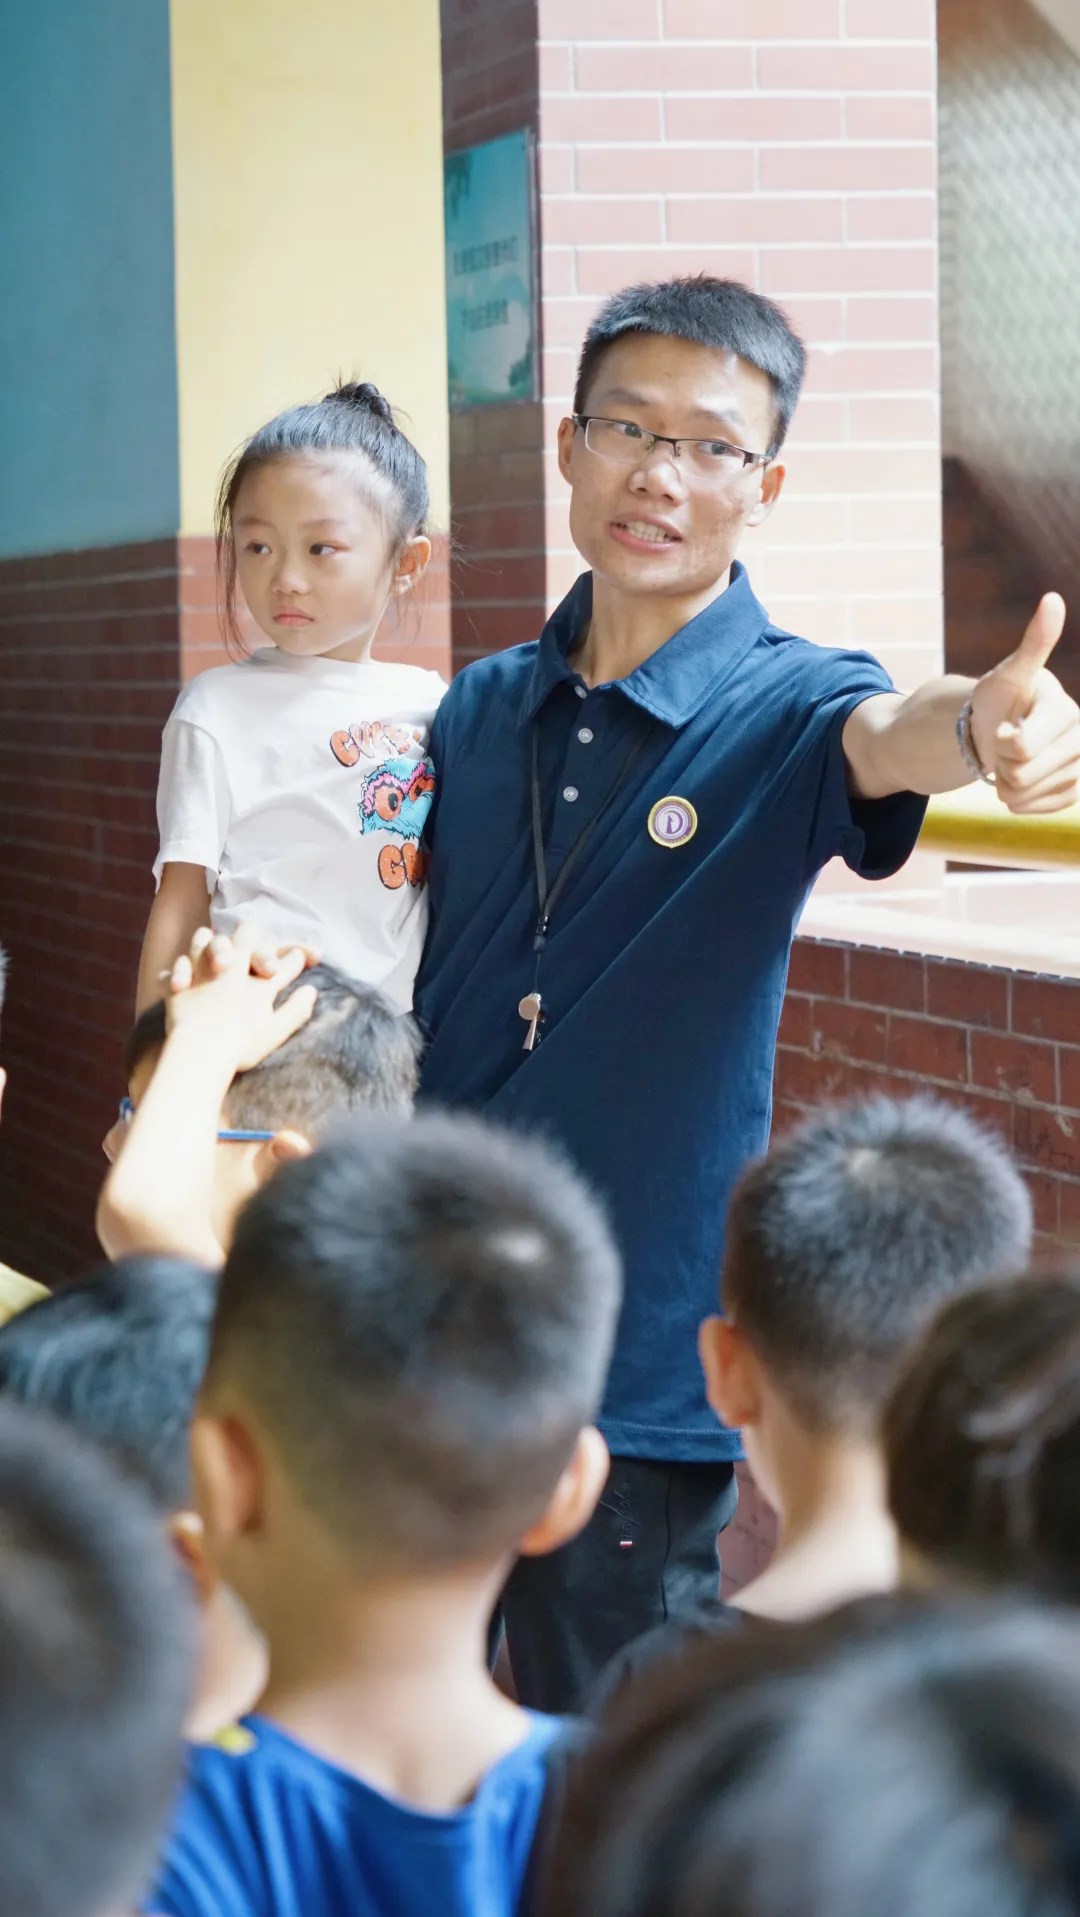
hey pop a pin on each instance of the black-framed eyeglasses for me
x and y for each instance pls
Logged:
(628, 444)
(228, 1136)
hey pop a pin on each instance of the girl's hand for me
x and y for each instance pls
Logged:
(224, 991)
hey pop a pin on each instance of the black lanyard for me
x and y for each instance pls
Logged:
(546, 895)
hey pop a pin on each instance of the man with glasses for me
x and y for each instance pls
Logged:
(630, 814)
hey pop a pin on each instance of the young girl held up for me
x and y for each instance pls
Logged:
(294, 786)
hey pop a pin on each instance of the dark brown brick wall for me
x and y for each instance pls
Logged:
(89, 654)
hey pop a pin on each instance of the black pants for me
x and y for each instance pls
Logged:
(648, 1553)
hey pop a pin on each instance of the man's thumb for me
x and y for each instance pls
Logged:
(1039, 640)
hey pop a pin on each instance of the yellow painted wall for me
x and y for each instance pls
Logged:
(308, 206)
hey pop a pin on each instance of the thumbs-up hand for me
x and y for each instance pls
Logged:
(1024, 726)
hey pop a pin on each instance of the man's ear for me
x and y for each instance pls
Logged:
(731, 1375)
(565, 443)
(574, 1498)
(772, 485)
(277, 1151)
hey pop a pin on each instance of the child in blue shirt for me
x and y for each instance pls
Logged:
(409, 1348)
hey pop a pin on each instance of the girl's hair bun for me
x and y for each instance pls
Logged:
(366, 398)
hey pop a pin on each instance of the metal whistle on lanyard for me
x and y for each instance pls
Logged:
(531, 1009)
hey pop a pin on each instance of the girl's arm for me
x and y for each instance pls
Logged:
(181, 906)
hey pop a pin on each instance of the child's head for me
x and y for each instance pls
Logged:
(321, 516)
(119, 1358)
(94, 1676)
(840, 1245)
(982, 1439)
(894, 1760)
(410, 1345)
(355, 1053)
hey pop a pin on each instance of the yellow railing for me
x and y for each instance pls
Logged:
(973, 825)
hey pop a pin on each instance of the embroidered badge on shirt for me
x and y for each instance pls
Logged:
(672, 821)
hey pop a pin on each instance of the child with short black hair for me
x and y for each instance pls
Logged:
(119, 1357)
(897, 1759)
(95, 1669)
(409, 1349)
(840, 1246)
(981, 1436)
(294, 786)
(332, 1046)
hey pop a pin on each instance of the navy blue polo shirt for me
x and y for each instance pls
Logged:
(667, 954)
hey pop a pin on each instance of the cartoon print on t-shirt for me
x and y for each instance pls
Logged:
(395, 795)
(397, 798)
(373, 740)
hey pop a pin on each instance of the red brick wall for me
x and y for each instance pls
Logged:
(790, 143)
(490, 87)
(88, 672)
(1004, 1045)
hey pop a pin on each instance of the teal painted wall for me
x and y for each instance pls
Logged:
(88, 407)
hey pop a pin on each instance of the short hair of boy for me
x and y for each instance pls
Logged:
(119, 1357)
(421, 1315)
(844, 1241)
(895, 1757)
(982, 1437)
(706, 312)
(355, 1053)
(95, 1665)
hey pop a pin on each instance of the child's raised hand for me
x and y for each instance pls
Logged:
(225, 990)
(211, 953)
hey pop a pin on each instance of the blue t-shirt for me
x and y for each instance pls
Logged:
(266, 1828)
(667, 955)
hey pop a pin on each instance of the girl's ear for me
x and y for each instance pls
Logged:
(412, 562)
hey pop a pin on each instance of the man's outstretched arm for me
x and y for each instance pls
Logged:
(1024, 730)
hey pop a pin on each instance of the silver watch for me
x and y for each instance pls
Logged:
(966, 743)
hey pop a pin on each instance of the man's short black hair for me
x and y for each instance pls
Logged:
(355, 1053)
(982, 1437)
(421, 1315)
(95, 1669)
(707, 312)
(120, 1357)
(898, 1757)
(843, 1242)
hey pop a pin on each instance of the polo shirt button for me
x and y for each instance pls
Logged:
(586, 735)
(582, 691)
(569, 793)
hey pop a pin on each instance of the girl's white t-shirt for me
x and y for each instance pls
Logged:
(302, 787)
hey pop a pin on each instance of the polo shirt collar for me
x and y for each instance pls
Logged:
(680, 676)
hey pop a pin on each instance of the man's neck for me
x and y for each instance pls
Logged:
(836, 1540)
(625, 629)
(389, 1679)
